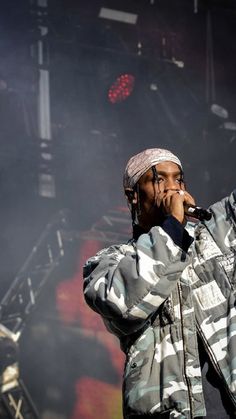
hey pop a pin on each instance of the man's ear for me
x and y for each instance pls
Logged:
(131, 196)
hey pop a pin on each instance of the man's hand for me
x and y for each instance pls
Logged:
(173, 203)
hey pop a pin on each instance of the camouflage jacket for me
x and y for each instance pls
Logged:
(155, 298)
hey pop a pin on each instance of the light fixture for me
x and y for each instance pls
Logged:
(118, 15)
(219, 111)
(122, 88)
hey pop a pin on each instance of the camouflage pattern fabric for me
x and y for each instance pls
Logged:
(155, 298)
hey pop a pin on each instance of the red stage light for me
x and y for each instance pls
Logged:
(121, 88)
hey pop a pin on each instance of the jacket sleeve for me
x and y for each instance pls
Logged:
(126, 284)
(222, 226)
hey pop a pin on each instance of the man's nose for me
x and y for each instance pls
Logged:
(171, 185)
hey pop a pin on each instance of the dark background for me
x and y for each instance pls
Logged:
(170, 107)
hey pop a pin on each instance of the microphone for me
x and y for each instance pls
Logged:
(197, 212)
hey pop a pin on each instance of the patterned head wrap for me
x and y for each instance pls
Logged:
(141, 162)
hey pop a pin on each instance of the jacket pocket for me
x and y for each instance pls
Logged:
(227, 263)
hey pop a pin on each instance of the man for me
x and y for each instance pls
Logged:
(169, 296)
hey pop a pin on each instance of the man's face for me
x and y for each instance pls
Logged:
(152, 191)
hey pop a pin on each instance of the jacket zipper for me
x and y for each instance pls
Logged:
(215, 366)
(184, 346)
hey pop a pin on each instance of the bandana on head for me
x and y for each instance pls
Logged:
(141, 162)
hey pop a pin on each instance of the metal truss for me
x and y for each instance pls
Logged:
(22, 296)
(18, 403)
(114, 227)
(16, 306)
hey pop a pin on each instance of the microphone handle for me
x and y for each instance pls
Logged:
(197, 212)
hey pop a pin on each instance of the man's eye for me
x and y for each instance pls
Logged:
(160, 179)
(179, 180)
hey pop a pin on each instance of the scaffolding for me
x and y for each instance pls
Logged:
(15, 307)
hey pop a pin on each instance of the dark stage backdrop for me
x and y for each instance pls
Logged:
(83, 86)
